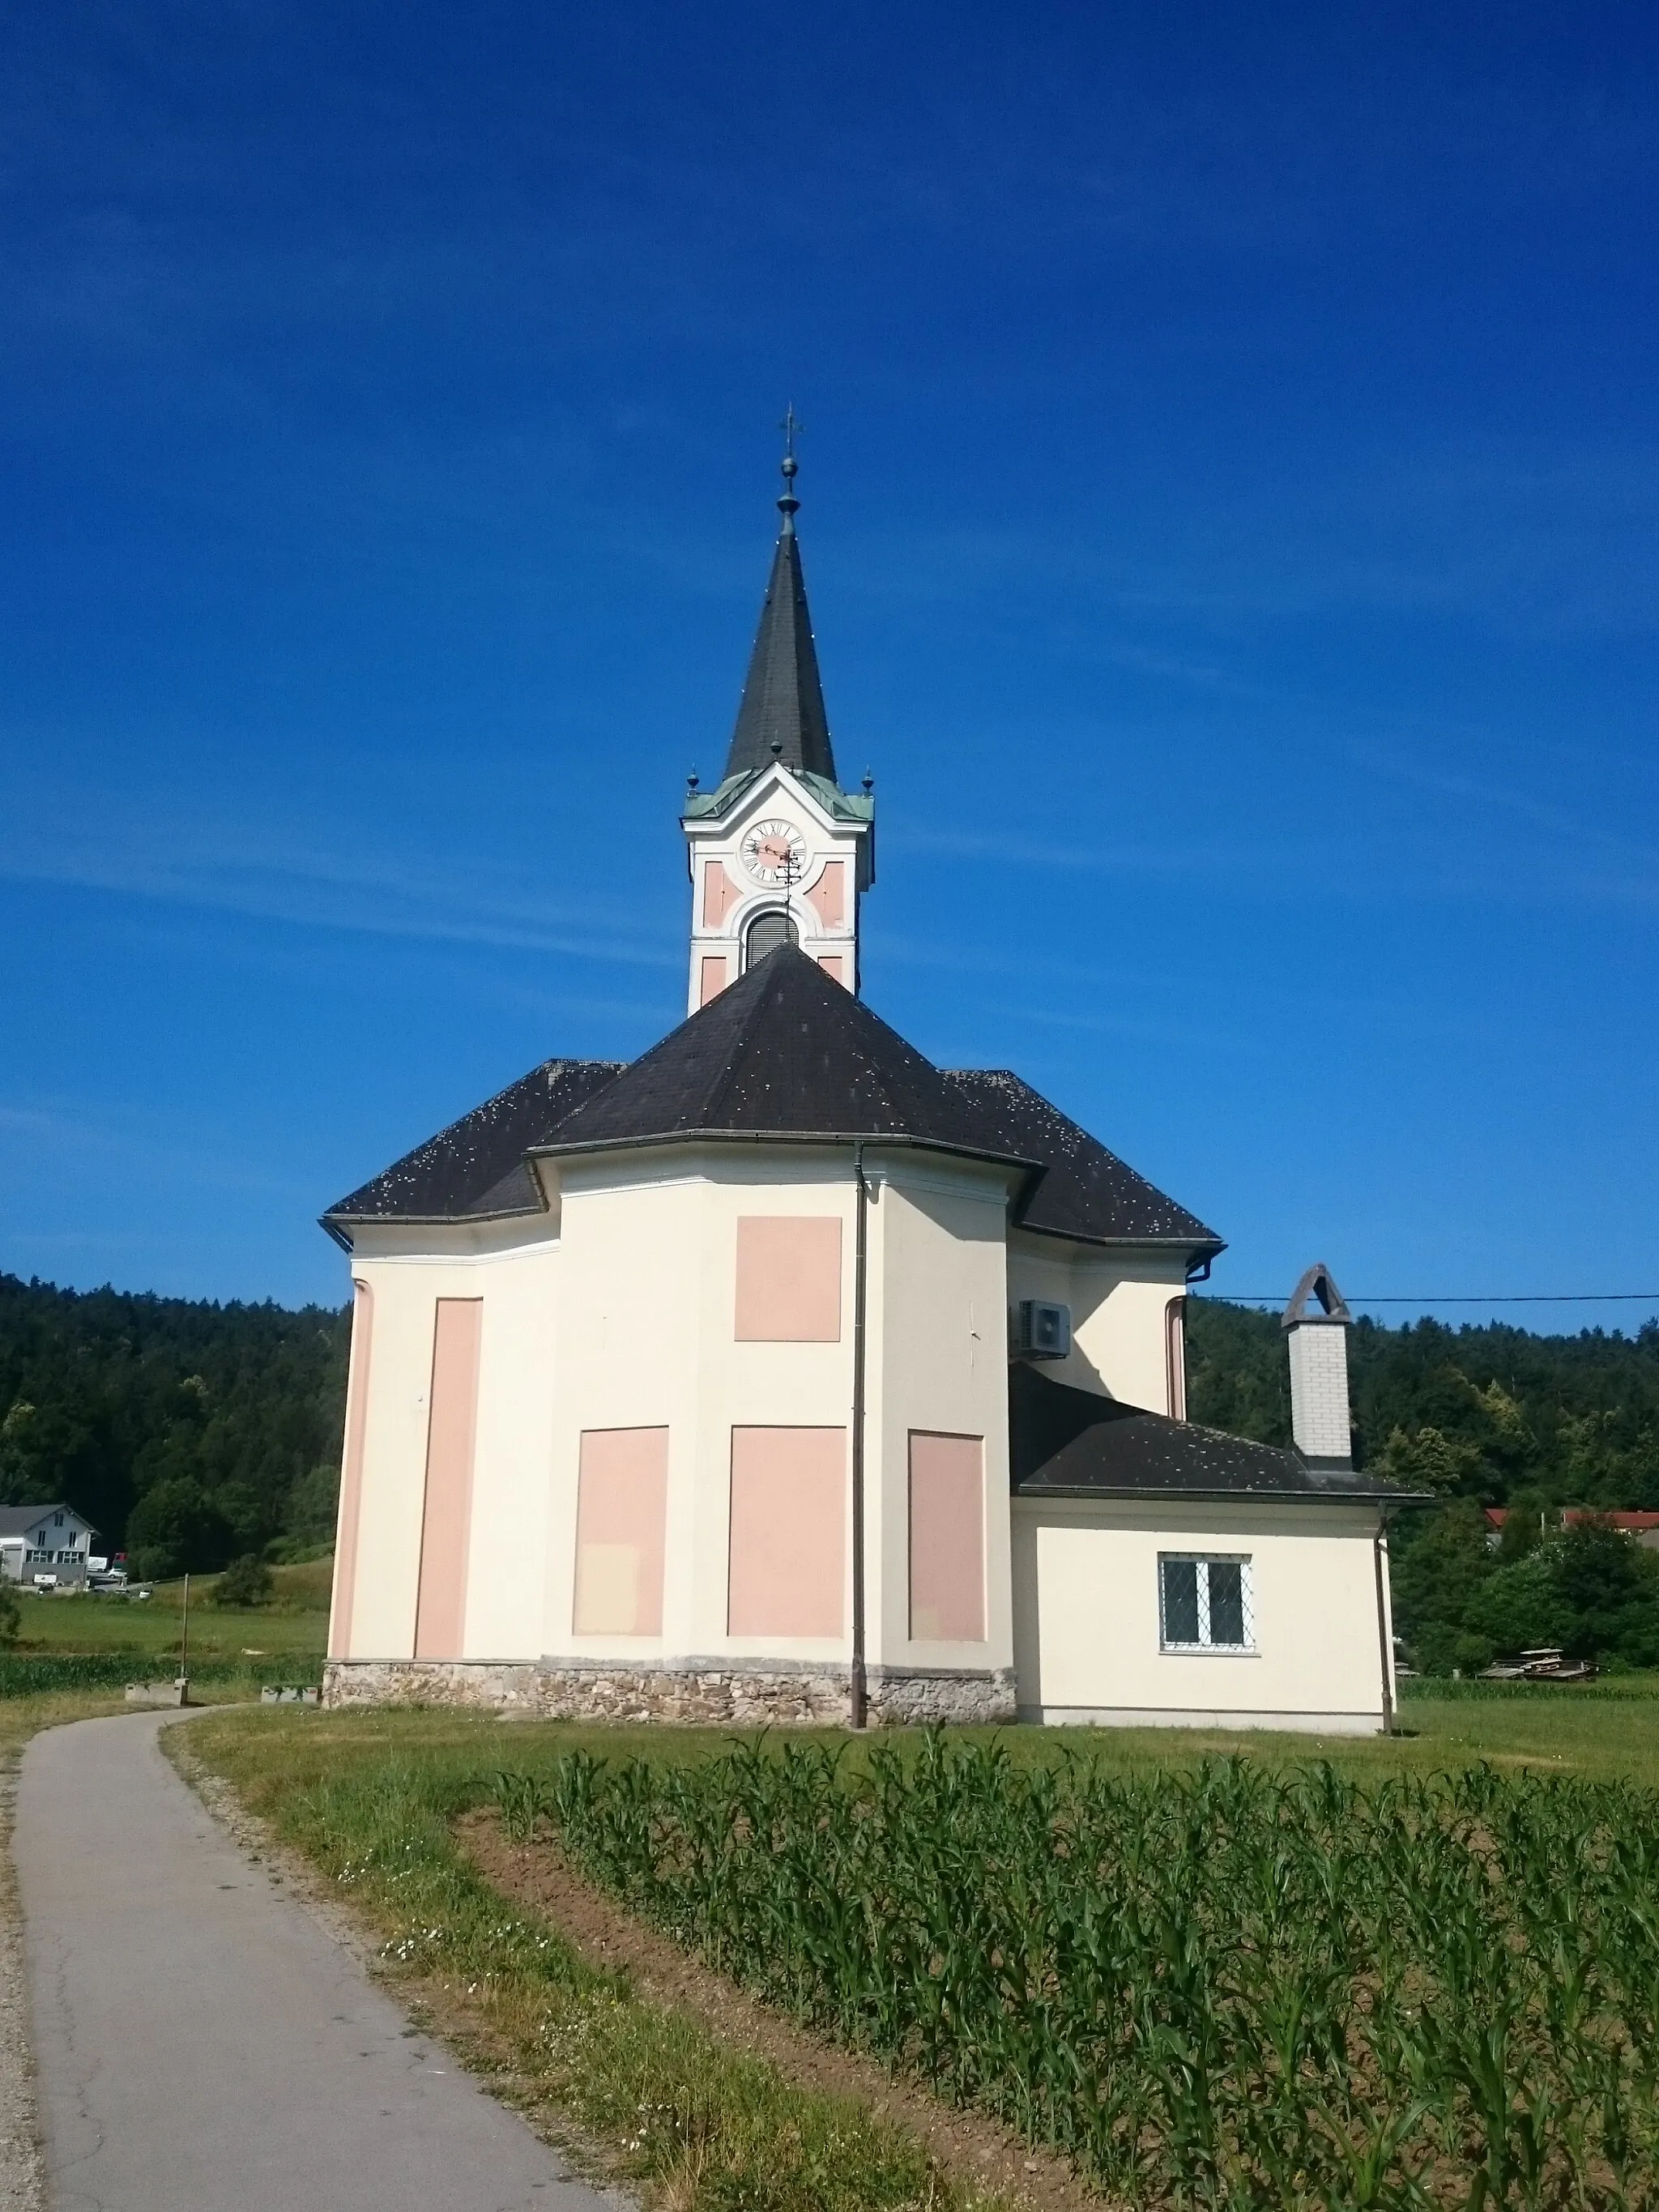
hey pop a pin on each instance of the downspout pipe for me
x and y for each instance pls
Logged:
(858, 1693)
(1382, 1651)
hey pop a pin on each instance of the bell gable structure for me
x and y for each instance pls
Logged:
(781, 1374)
(778, 853)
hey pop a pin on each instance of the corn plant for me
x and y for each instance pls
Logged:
(1222, 1987)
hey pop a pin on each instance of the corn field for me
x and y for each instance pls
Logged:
(1227, 1986)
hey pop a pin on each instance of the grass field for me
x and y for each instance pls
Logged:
(295, 1623)
(373, 1797)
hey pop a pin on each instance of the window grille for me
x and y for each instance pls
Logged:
(1205, 1602)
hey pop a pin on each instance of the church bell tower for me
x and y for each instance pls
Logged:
(778, 853)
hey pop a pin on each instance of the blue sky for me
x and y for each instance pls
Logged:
(1230, 488)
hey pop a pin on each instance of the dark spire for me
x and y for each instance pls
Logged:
(781, 715)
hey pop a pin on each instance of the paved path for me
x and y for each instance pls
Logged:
(202, 2045)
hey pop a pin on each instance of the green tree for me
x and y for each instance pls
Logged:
(1526, 1525)
(1429, 1460)
(1439, 1559)
(177, 1529)
(11, 1614)
(1520, 1608)
(1609, 1589)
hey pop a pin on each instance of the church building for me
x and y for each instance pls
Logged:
(779, 1375)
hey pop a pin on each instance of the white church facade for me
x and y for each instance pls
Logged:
(782, 1375)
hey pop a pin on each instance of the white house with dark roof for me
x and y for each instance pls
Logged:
(44, 1540)
(781, 1374)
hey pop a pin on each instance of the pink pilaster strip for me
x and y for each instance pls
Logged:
(351, 1472)
(447, 1515)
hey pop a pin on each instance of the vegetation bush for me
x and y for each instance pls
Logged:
(1223, 1987)
(11, 1614)
(246, 1582)
(30, 1675)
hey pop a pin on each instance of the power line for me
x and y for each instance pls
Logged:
(1498, 1298)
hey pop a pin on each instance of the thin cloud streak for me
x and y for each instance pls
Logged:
(320, 898)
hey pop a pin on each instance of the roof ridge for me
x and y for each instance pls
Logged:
(726, 1073)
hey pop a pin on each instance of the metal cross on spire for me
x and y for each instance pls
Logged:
(788, 504)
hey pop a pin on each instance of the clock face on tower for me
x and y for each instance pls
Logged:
(775, 853)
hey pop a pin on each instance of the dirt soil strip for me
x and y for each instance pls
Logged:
(974, 2150)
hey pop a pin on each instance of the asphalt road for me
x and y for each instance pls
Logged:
(203, 2044)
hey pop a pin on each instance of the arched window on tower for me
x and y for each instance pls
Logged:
(766, 932)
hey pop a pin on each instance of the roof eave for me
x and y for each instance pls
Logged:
(429, 1220)
(1167, 1491)
(1206, 1246)
(1008, 1160)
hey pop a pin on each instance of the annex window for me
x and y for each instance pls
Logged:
(1204, 1603)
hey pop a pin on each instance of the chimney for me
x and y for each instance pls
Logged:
(1315, 1321)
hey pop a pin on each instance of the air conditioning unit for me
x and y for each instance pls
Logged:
(1042, 1329)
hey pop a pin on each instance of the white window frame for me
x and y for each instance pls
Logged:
(1204, 1648)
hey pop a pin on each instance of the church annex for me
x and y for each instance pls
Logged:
(781, 1375)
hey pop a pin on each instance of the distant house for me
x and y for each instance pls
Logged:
(1644, 1527)
(44, 1540)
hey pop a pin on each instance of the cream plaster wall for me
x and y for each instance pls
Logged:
(938, 1360)
(1120, 1299)
(1086, 1606)
(648, 1336)
(626, 1319)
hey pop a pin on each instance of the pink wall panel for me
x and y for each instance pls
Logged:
(831, 965)
(789, 1532)
(947, 1538)
(447, 1515)
(828, 895)
(719, 893)
(788, 1279)
(622, 1507)
(351, 1472)
(711, 980)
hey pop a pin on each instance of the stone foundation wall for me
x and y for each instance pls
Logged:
(497, 1686)
(935, 1698)
(716, 1694)
(712, 1694)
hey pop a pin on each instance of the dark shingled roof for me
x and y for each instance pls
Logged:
(1087, 1192)
(1067, 1443)
(18, 1520)
(784, 1052)
(475, 1168)
(782, 697)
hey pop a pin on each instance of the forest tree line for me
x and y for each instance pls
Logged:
(190, 1434)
